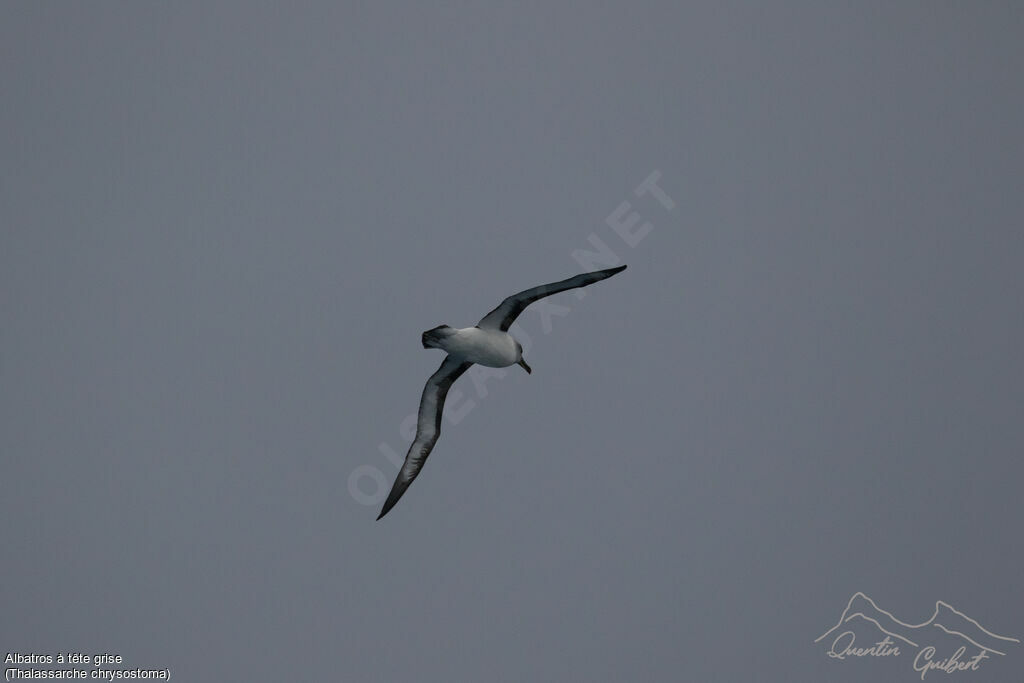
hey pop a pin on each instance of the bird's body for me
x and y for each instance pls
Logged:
(487, 343)
(493, 348)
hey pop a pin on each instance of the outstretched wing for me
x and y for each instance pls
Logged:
(502, 317)
(428, 427)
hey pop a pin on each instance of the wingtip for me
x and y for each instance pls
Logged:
(388, 504)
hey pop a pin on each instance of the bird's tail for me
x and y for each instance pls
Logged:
(432, 338)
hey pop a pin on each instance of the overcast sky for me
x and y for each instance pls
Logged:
(225, 225)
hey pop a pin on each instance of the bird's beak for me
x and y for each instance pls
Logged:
(524, 366)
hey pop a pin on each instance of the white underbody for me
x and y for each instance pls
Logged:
(493, 348)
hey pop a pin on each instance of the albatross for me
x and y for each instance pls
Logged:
(486, 343)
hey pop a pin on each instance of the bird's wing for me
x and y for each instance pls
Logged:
(502, 317)
(428, 427)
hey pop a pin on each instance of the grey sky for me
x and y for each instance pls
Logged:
(224, 228)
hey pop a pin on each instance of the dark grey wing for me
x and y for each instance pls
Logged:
(428, 427)
(502, 317)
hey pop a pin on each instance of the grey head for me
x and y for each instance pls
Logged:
(431, 338)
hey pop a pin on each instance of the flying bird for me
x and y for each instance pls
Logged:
(486, 343)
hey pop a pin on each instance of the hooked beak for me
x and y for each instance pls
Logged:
(524, 366)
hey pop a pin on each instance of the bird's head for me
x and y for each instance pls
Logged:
(520, 362)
